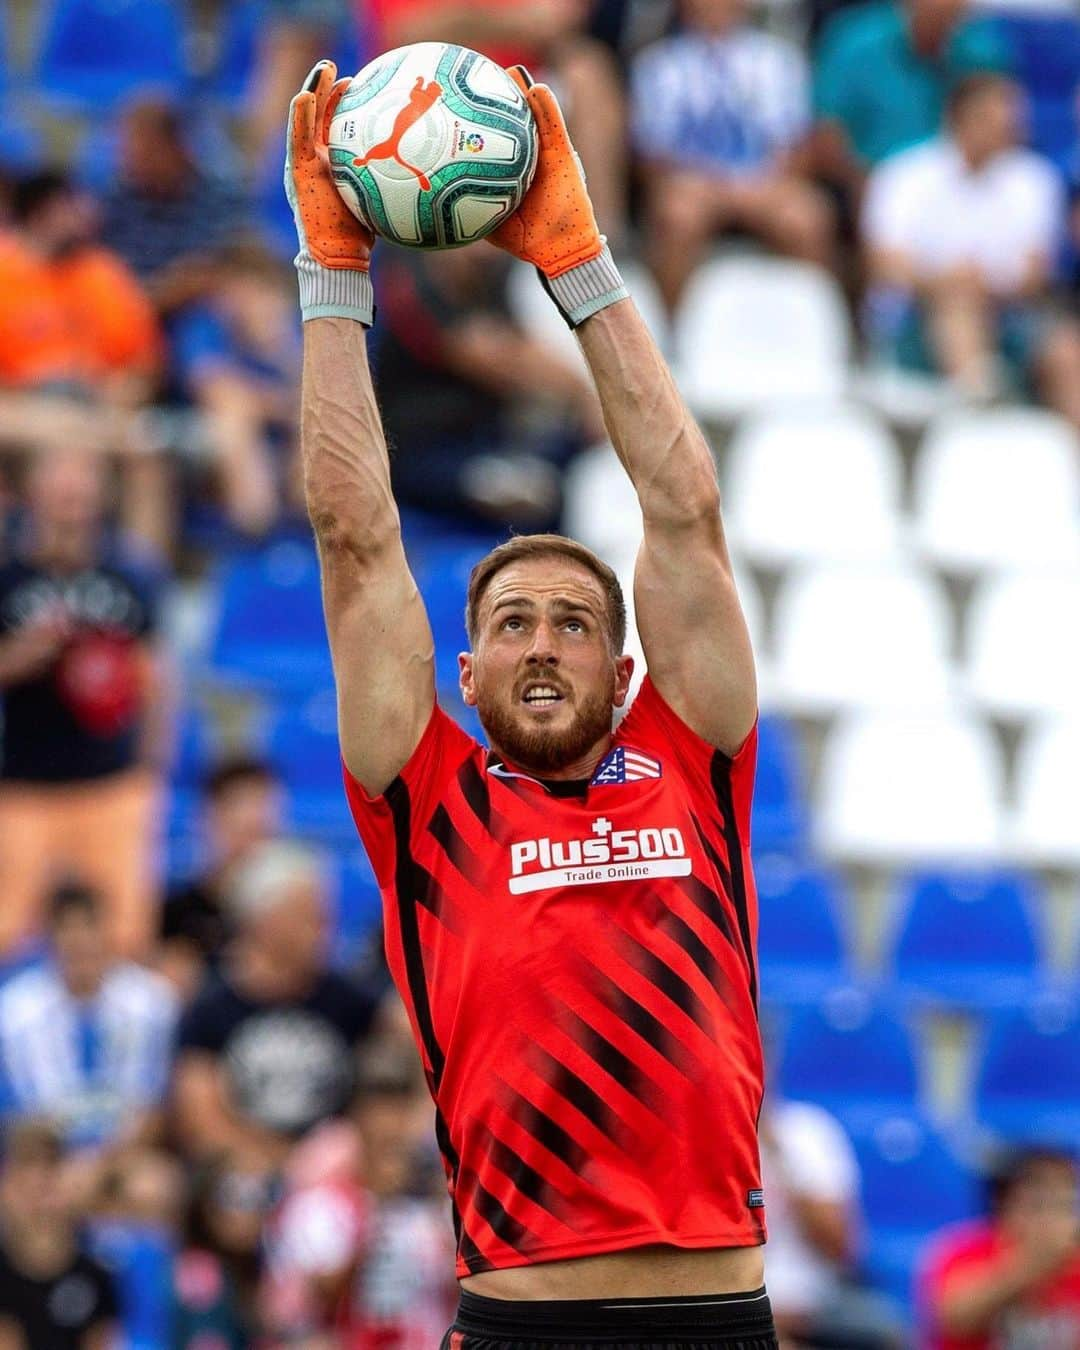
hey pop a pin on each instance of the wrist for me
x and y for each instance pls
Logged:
(334, 292)
(584, 290)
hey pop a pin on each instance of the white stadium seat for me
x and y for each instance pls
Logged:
(901, 788)
(1045, 826)
(600, 506)
(999, 488)
(867, 635)
(813, 481)
(753, 331)
(1023, 642)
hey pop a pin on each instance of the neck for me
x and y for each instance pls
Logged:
(929, 35)
(581, 768)
(259, 974)
(39, 1249)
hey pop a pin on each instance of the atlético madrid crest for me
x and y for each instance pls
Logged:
(624, 765)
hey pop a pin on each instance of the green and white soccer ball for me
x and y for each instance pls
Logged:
(432, 145)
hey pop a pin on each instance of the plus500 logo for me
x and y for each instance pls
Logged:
(615, 846)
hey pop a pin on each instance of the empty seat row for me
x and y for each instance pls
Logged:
(853, 1055)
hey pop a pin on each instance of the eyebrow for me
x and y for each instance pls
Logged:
(523, 602)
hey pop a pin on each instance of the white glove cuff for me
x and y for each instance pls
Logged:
(588, 288)
(334, 293)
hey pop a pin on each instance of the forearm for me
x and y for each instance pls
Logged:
(659, 443)
(345, 462)
(969, 1306)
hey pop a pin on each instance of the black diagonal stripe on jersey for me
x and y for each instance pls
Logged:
(721, 781)
(528, 1180)
(629, 1076)
(443, 829)
(475, 1261)
(710, 904)
(412, 885)
(546, 1131)
(641, 1021)
(722, 869)
(474, 789)
(668, 981)
(503, 1224)
(680, 931)
(565, 1083)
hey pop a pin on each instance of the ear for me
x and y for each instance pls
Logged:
(624, 670)
(466, 678)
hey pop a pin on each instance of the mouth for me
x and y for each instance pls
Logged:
(541, 695)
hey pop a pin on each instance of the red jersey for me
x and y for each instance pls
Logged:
(580, 976)
(1048, 1317)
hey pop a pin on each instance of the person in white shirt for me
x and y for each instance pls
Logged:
(718, 112)
(961, 236)
(811, 1180)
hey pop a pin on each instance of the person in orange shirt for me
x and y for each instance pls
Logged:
(73, 316)
(546, 36)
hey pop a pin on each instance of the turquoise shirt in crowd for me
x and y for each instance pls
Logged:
(870, 79)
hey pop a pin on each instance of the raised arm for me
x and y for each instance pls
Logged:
(689, 619)
(380, 639)
(688, 613)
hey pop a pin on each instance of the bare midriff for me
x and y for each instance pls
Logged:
(642, 1272)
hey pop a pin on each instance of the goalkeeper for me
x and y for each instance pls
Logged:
(570, 916)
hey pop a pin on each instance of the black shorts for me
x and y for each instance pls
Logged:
(706, 1322)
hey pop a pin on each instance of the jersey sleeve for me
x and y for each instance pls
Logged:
(653, 725)
(440, 752)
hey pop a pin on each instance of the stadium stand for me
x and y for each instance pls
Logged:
(801, 947)
(1028, 1089)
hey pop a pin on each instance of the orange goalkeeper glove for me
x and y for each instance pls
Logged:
(335, 248)
(555, 227)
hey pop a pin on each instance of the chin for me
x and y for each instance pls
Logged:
(546, 742)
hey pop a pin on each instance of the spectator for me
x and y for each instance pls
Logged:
(238, 360)
(447, 328)
(718, 110)
(242, 807)
(882, 74)
(548, 37)
(164, 214)
(82, 321)
(961, 235)
(217, 1269)
(51, 1292)
(86, 1040)
(1012, 1280)
(85, 704)
(266, 1049)
(811, 1179)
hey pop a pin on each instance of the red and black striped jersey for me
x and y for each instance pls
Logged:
(580, 976)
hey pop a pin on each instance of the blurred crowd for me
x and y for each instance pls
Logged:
(217, 1132)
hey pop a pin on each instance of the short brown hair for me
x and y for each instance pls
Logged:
(547, 546)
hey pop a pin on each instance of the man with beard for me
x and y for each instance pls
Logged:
(570, 918)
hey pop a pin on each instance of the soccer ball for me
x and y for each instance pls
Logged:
(432, 145)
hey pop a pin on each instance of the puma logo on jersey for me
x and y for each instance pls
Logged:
(609, 855)
(422, 97)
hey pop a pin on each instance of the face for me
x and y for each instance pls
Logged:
(31, 1191)
(80, 950)
(990, 122)
(1047, 1192)
(293, 932)
(543, 676)
(67, 489)
(152, 157)
(712, 16)
(385, 1128)
(244, 814)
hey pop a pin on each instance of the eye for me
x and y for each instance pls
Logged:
(513, 624)
(574, 626)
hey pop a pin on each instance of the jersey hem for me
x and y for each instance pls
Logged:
(644, 1237)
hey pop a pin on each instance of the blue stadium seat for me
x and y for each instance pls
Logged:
(270, 634)
(800, 949)
(443, 577)
(23, 147)
(779, 815)
(967, 939)
(302, 743)
(1028, 1087)
(851, 1056)
(95, 52)
(1044, 51)
(912, 1184)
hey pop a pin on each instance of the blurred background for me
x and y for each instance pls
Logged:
(851, 228)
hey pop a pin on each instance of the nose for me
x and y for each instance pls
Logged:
(542, 650)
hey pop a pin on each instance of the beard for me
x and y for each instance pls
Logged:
(538, 748)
